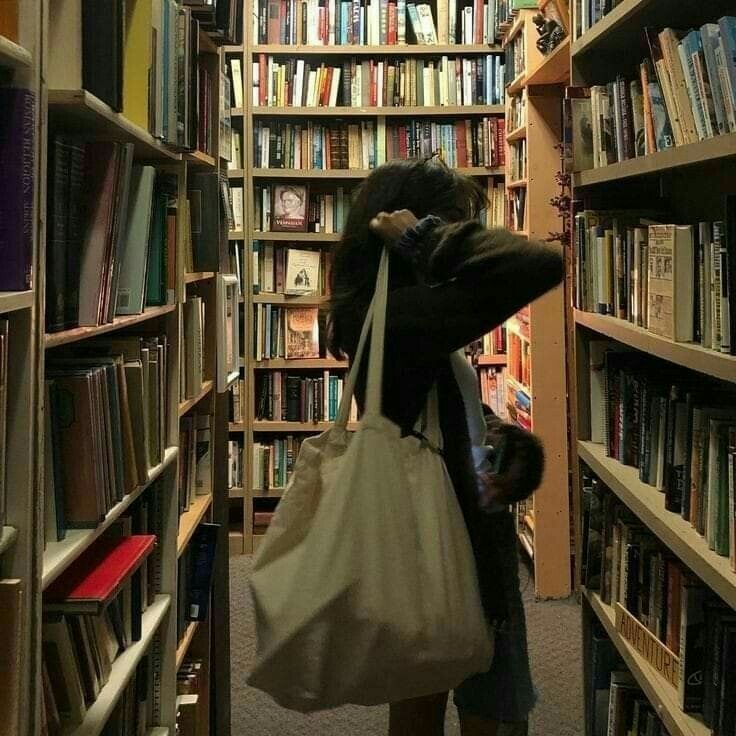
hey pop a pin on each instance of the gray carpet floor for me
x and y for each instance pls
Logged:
(555, 651)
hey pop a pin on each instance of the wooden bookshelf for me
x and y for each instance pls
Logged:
(659, 692)
(14, 56)
(315, 364)
(190, 519)
(261, 425)
(547, 541)
(295, 237)
(193, 278)
(405, 111)
(300, 301)
(387, 50)
(189, 404)
(10, 301)
(345, 173)
(553, 68)
(686, 182)
(185, 643)
(485, 360)
(199, 158)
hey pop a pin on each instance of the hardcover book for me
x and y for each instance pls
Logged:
(302, 271)
(302, 333)
(289, 208)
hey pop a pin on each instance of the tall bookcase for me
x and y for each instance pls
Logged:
(23, 552)
(538, 331)
(688, 182)
(252, 430)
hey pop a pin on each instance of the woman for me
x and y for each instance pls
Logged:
(451, 281)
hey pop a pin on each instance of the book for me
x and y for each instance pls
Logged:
(17, 189)
(289, 208)
(12, 615)
(302, 271)
(202, 549)
(302, 333)
(203, 194)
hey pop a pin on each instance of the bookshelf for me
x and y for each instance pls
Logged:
(245, 497)
(687, 184)
(543, 522)
(27, 553)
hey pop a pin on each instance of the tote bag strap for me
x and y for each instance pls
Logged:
(375, 318)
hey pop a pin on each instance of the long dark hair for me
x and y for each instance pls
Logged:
(422, 186)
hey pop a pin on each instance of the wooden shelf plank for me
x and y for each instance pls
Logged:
(191, 278)
(483, 360)
(691, 356)
(185, 643)
(54, 339)
(11, 301)
(189, 404)
(517, 84)
(14, 56)
(268, 492)
(647, 503)
(314, 364)
(384, 50)
(236, 427)
(8, 535)
(710, 150)
(236, 492)
(516, 135)
(514, 30)
(200, 158)
(123, 669)
(407, 111)
(349, 173)
(59, 555)
(189, 520)
(236, 235)
(518, 184)
(620, 15)
(553, 68)
(285, 427)
(310, 300)
(660, 693)
(297, 237)
(90, 114)
(237, 112)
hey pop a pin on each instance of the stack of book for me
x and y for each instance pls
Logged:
(195, 459)
(92, 614)
(261, 521)
(273, 461)
(192, 348)
(381, 82)
(368, 22)
(111, 244)
(295, 208)
(234, 464)
(144, 63)
(291, 271)
(106, 427)
(627, 566)
(685, 92)
(517, 168)
(676, 281)
(286, 332)
(368, 144)
(676, 429)
(287, 397)
(17, 175)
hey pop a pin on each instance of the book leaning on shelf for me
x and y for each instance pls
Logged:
(142, 60)
(106, 427)
(195, 459)
(361, 22)
(381, 82)
(195, 576)
(111, 240)
(368, 144)
(291, 271)
(685, 92)
(677, 281)
(660, 598)
(677, 430)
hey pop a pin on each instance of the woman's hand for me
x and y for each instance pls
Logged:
(390, 226)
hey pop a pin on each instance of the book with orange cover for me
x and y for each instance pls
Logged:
(98, 575)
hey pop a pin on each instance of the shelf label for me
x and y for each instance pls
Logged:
(664, 661)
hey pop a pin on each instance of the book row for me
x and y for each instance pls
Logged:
(144, 62)
(374, 22)
(285, 397)
(519, 359)
(237, 398)
(106, 427)
(235, 467)
(518, 164)
(291, 271)
(515, 59)
(516, 112)
(368, 144)
(492, 343)
(518, 404)
(615, 703)
(191, 688)
(685, 92)
(286, 332)
(516, 209)
(191, 347)
(381, 82)
(677, 281)
(627, 566)
(195, 459)
(273, 462)
(297, 208)
(679, 431)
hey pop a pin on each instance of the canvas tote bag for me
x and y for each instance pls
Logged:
(364, 587)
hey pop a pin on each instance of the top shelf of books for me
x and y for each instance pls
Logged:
(385, 49)
(599, 37)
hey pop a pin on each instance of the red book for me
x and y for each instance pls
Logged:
(392, 22)
(501, 142)
(274, 21)
(98, 575)
(462, 149)
(262, 79)
(478, 18)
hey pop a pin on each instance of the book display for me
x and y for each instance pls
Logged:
(650, 277)
(534, 385)
(112, 426)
